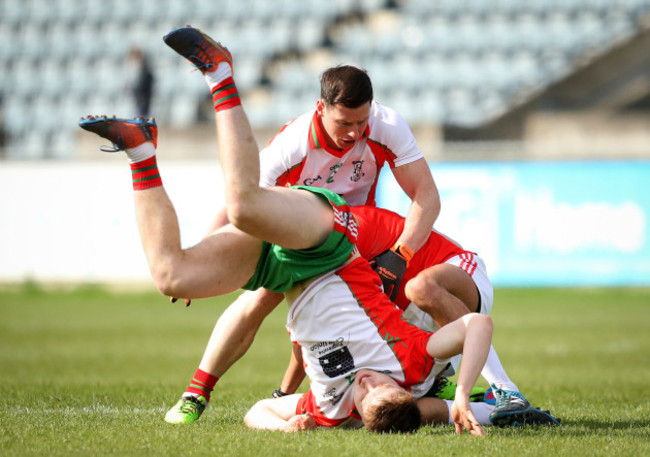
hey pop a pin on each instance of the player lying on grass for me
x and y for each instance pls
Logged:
(449, 282)
(376, 227)
(294, 250)
(440, 261)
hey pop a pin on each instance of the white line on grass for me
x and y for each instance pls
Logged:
(93, 409)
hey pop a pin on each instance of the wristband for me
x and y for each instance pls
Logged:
(277, 393)
(403, 251)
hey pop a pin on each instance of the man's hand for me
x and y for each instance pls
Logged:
(463, 417)
(301, 422)
(391, 265)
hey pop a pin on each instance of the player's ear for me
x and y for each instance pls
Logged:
(320, 106)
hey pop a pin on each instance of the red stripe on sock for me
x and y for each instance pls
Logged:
(225, 95)
(145, 174)
(202, 383)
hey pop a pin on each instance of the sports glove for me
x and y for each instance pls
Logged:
(391, 265)
(188, 301)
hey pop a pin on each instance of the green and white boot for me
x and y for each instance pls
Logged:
(188, 410)
(445, 389)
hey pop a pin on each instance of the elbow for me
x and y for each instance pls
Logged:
(254, 418)
(486, 323)
(167, 281)
(480, 322)
(242, 214)
(435, 204)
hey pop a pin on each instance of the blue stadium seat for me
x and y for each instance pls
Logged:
(454, 61)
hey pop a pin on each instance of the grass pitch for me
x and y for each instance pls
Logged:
(90, 372)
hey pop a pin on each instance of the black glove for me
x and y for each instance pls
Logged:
(391, 265)
(188, 301)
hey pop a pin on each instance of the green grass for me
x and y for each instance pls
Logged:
(90, 372)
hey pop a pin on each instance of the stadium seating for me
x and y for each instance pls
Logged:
(448, 62)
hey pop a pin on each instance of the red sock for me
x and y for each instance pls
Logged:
(225, 95)
(145, 174)
(202, 384)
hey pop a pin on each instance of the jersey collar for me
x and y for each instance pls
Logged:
(317, 138)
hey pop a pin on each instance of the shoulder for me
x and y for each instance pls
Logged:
(390, 130)
(384, 116)
(296, 128)
(290, 142)
(388, 127)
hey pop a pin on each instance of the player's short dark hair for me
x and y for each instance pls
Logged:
(396, 414)
(346, 85)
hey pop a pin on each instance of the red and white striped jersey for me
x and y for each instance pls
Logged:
(379, 229)
(343, 323)
(298, 155)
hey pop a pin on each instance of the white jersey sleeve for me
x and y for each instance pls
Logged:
(388, 128)
(287, 150)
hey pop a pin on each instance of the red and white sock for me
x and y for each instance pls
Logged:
(145, 151)
(225, 95)
(202, 384)
(216, 77)
(145, 174)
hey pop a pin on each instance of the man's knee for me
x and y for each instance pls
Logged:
(259, 304)
(424, 291)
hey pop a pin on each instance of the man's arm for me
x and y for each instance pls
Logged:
(417, 182)
(295, 373)
(279, 414)
(470, 335)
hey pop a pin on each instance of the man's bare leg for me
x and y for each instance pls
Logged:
(236, 329)
(219, 264)
(267, 214)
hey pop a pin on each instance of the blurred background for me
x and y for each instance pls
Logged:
(534, 116)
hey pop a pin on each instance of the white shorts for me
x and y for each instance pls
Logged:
(475, 267)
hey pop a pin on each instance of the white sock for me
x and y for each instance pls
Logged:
(481, 411)
(494, 373)
(214, 78)
(140, 153)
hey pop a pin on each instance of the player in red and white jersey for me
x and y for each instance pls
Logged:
(341, 327)
(300, 153)
(444, 280)
(349, 335)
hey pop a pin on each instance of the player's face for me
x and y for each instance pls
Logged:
(344, 126)
(371, 386)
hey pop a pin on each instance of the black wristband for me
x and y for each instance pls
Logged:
(277, 393)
